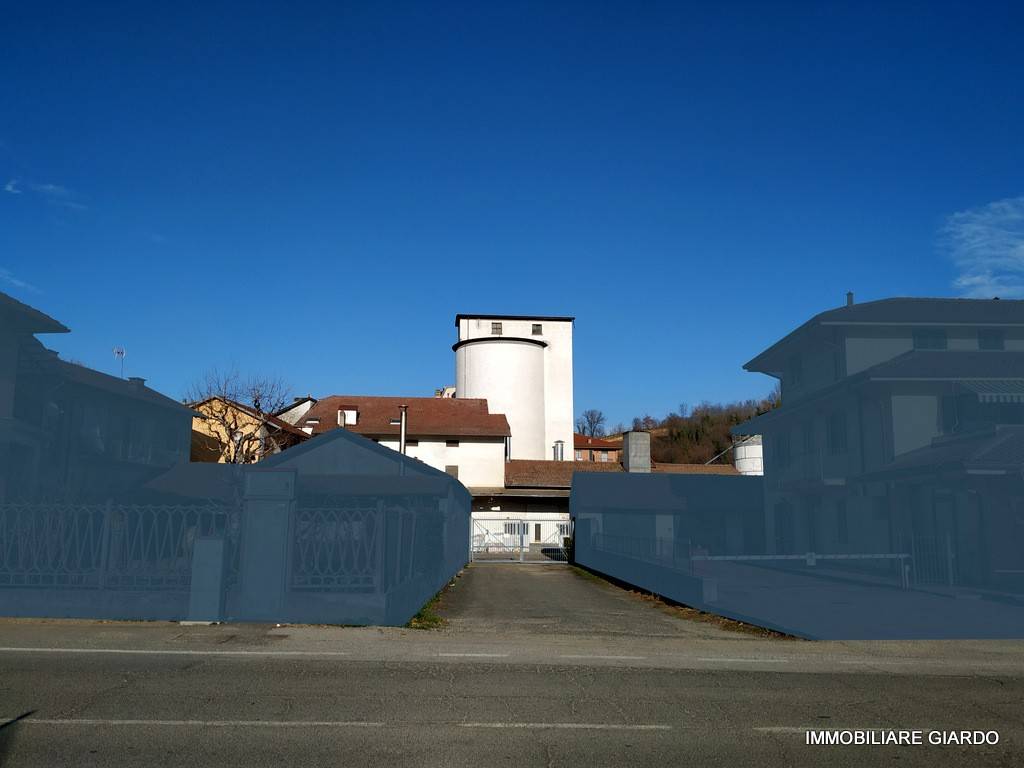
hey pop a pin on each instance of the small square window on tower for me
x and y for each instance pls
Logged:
(496, 329)
(538, 329)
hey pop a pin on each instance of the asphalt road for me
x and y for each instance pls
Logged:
(617, 682)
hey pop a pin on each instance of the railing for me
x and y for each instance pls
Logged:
(681, 555)
(107, 546)
(353, 545)
(665, 552)
(335, 548)
(358, 546)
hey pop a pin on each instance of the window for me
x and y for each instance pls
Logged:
(579, 455)
(496, 329)
(515, 529)
(538, 329)
(991, 338)
(837, 433)
(563, 529)
(604, 456)
(930, 338)
(452, 469)
(451, 443)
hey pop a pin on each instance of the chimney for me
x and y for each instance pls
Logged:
(849, 298)
(559, 450)
(137, 381)
(636, 451)
(402, 427)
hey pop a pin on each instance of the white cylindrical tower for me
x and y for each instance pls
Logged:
(749, 455)
(509, 373)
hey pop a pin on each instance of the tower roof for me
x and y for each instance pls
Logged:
(549, 318)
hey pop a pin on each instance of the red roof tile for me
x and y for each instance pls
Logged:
(522, 473)
(695, 469)
(529, 473)
(583, 441)
(428, 416)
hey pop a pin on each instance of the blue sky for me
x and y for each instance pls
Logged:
(315, 192)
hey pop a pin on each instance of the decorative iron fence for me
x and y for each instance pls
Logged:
(125, 547)
(337, 548)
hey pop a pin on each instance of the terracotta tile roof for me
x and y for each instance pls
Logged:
(583, 441)
(695, 469)
(530, 473)
(522, 473)
(428, 416)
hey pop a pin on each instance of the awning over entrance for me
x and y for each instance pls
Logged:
(996, 390)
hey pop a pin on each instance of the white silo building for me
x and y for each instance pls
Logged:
(522, 366)
(748, 454)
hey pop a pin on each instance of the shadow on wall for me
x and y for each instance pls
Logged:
(702, 541)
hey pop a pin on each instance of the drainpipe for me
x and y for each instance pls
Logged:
(401, 429)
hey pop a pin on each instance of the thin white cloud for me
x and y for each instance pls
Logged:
(987, 247)
(9, 278)
(50, 190)
(55, 194)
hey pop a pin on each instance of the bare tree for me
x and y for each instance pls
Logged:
(591, 423)
(234, 410)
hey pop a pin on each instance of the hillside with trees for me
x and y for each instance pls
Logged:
(689, 435)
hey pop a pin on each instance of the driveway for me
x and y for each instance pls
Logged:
(504, 599)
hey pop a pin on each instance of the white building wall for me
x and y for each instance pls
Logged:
(531, 384)
(558, 400)
(296, 412)
(481, 463)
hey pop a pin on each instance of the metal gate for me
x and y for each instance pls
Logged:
(521, 539)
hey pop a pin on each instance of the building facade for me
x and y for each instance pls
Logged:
(70, 433)
(458, 436)
(522, 366)
(901, 431)
(588, 448)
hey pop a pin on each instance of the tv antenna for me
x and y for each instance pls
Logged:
(119, 353)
